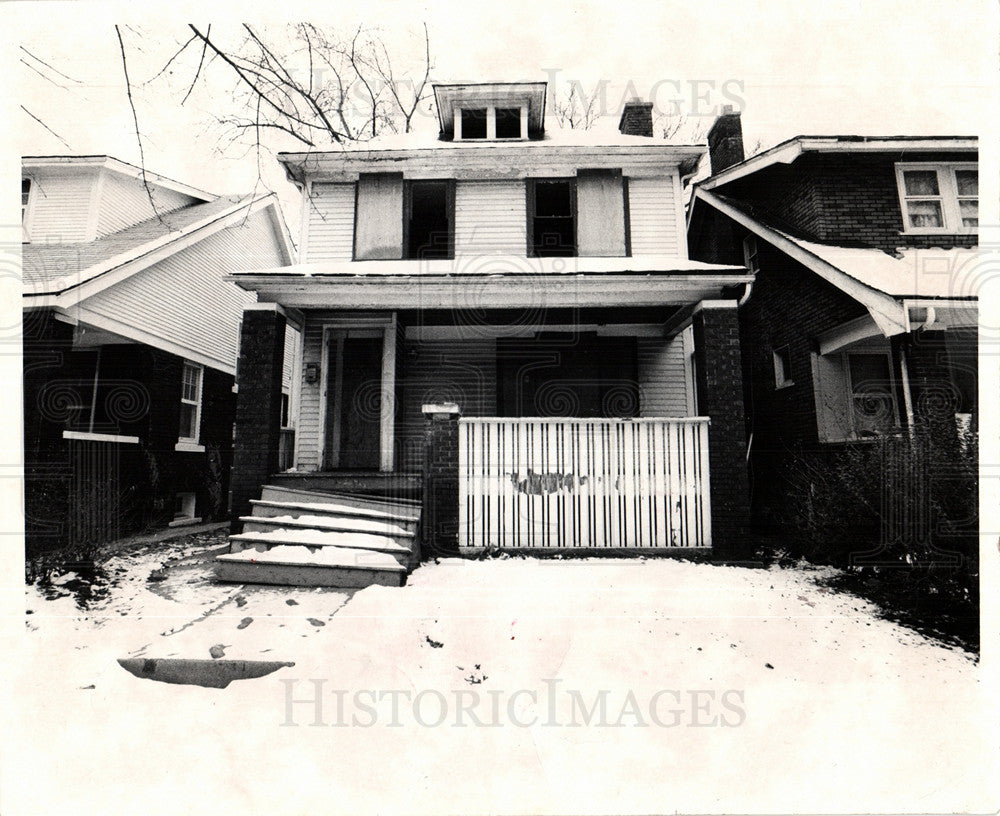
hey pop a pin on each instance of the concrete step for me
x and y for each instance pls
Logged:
(299, 565)
(262, 540)
(399, 508)
(325, 517)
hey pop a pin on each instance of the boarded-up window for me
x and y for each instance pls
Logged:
(378, 225)
(600, 213)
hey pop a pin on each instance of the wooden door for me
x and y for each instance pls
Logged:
(354, 401)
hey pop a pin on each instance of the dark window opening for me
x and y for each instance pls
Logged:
(508, 123)
(429, 230)
(553, 225)
(474, 123)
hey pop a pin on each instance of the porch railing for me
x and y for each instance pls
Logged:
(583, 483)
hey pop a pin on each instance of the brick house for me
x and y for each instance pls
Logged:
(862, 319)
(130, 338)
(503, 336)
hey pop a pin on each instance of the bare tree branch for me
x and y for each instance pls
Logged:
(50, 67)
(201, 62)
(50, 130)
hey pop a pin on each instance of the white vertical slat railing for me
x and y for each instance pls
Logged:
(584, 483)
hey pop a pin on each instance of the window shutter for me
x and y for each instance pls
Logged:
(378, 225)
(832, 405)
(600, 200)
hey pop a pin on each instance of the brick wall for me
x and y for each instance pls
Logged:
(258, 407)
(841, 198)
(720, 397)
(439, 519)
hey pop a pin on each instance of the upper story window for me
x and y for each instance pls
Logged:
(429, 220)
(25, 198)
(552, 217)
(491, 122)
(938, 198)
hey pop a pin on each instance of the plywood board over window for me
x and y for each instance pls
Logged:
(600, 213)
(378, 226)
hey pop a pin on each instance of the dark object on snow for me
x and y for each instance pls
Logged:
(207, 673)
(243, 624)
(292, 602)
(157, 575)
(768, 666)
(316, 622)
(217, 651)
(241, 601)
(435, 644)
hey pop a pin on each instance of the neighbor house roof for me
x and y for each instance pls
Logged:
(116, 165)
(788, 151)
(880, 281)
(60, 272)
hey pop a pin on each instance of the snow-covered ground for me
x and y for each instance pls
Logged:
(511, 685)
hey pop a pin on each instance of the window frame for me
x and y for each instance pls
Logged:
(408, 185)
(27, 208)
(530, 187)
(751, 254)
(491, 121)
(948, 197)
(852, 392)
(197, 403)
(782, 359)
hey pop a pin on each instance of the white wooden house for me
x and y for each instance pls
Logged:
(500, 323)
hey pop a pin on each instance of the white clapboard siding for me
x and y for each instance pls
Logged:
(663, 377)
(490, 218)
(584, 483)
(125, 202)
(183, 298)
(60, 206)
(653, 216)
(330, 223)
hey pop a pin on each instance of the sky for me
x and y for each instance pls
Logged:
(872, 68)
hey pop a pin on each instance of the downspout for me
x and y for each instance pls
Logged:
(904, 371)
(746, 295)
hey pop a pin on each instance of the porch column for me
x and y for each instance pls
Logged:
(258, 405)
(439, 520)
(719, 387)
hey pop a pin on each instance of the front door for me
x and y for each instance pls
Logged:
(354, 400)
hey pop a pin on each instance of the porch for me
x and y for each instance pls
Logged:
(584, 412)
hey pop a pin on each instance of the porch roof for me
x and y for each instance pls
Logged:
(495, 281)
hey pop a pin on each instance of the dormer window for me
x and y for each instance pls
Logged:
(491, 123)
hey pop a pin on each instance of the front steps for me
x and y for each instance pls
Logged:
(297, 537)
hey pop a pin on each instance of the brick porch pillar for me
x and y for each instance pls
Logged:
(720, 397)
(258, 405)
(439, 520)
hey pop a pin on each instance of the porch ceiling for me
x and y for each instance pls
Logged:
(494, 282)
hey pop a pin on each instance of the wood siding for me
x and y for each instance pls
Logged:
(125, 202)
(600, 202)
(206, 317)
(664, 379)
(653, 216)
(60, 206)
(329, 223)
(490, 218)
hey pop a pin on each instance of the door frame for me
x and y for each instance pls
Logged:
(388, 327)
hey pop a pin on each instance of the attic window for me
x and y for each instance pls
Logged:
(473, 123)
(938, 198)
(491, 122)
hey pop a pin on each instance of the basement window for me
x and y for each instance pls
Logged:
(938, 198)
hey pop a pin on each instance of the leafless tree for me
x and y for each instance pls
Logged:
(574, 110)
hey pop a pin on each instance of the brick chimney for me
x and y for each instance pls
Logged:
(637, 118)
(725, 140)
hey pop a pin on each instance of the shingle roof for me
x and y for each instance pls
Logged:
(52, 268)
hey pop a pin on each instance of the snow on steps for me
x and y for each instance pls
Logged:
(300, 565)
(306, 538)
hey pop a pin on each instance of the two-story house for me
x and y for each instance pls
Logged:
(862, 319)
(501, 324)
(130, 345)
